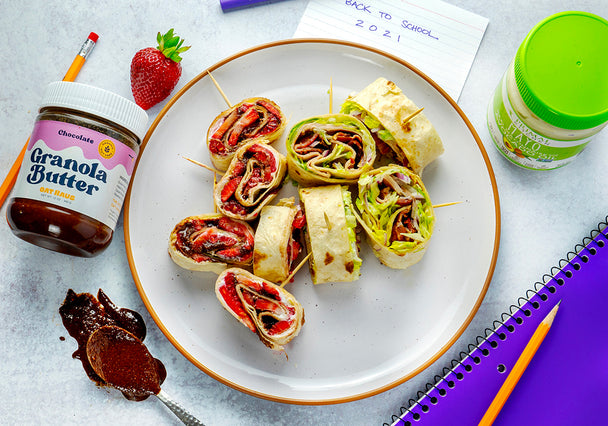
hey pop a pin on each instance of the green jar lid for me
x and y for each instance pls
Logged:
(561, 70)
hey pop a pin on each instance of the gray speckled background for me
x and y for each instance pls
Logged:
(543, 214)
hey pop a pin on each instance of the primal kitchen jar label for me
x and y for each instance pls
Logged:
(521, 144)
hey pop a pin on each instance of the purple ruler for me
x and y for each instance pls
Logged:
(566, 382)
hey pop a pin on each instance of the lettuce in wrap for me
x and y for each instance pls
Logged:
(332, 148)
(396, 124)
(396, 213)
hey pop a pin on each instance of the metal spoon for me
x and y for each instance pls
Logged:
(178, 410)
(124, 362)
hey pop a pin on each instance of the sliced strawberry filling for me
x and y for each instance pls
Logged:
(244, 122)
(210, 239)
(259, 300)
(226, 124)
(222, 239)
(230, 188)
(294, 247)
(247, 119)
(231, 297)
(248, 180)
(279, 327)
(263, 307)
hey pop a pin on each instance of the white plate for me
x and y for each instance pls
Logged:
(359, 338)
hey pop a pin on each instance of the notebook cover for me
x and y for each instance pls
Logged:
(566, 382)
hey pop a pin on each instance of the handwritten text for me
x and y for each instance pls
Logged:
(385, 16)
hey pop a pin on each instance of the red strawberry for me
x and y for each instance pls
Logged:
(156, 71)
(230, 188)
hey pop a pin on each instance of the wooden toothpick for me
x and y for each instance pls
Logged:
(446, 204)
(296, 269)
(211, 169)
(219, 89)
(214, 185)
(327, 222)
(204, 166)
(331, 96)
(412, 115)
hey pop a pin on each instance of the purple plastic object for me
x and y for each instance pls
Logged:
(566, 382)
(228, 5)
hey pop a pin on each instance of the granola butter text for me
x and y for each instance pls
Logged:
(38, 172)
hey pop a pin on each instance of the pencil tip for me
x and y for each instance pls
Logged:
(551, 315)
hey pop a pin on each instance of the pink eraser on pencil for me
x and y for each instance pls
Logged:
(93, 37)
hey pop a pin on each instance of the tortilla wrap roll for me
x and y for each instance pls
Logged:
(330, 234)
(332, 148)
(395, 120)
(277, 242)
(252, 180)
(265, 308)
(397, 215)
(211, 242)
(250, 119)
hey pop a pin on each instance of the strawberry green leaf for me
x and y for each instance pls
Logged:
(171, 45)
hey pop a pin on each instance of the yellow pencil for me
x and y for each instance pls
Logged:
(73, 71)
(85, 50)
(518, 369)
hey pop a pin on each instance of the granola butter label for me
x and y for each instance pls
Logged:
(521, 144)
(77, 168)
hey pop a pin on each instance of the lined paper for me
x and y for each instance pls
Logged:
(439, 39)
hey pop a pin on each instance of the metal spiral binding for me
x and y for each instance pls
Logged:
(548, 282)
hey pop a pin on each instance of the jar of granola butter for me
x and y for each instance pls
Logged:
(77, 168)
(553, 97)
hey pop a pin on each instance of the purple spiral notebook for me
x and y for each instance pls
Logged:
(566, 383)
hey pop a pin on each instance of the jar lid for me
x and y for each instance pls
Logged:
(99, 102)
(561, 70)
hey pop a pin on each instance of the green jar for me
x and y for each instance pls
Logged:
(553, 98)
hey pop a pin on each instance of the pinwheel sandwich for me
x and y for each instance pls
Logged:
(395, 211)
(265, 308)
(330, 234)
(332, 148)
(211, 242)
(252, 180)
(250, 119)
(277, 241)
(395, 121)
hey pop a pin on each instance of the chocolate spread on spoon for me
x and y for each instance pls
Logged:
(123, 361)
(83, 314)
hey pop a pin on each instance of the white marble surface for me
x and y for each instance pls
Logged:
(544, 214)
